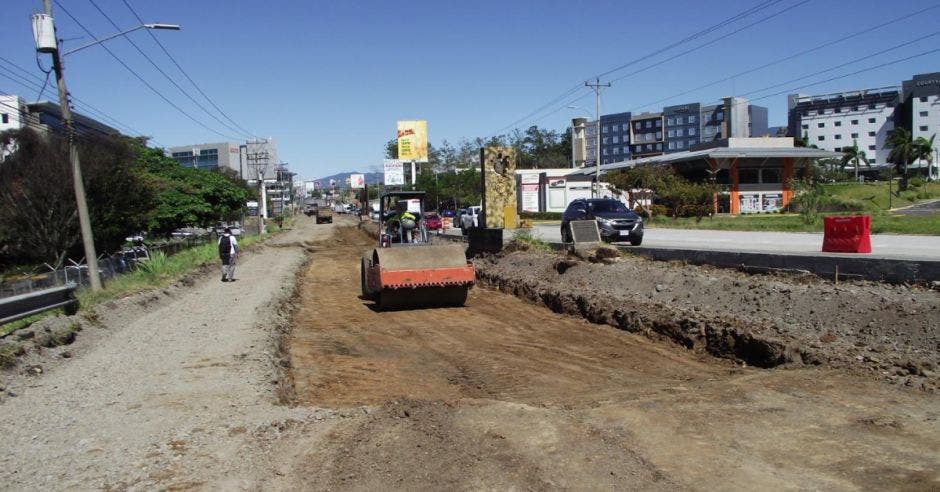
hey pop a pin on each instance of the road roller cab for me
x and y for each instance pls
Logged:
(407, 270)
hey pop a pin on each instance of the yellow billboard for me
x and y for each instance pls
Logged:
(413, 140)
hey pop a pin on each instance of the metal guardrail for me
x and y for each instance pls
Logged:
(23, 305)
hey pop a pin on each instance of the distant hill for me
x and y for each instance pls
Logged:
(371, 178)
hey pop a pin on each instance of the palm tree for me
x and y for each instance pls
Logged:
(902, 152)
(853, 155)
(924, 149)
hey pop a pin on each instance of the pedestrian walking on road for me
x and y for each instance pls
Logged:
(228, 253)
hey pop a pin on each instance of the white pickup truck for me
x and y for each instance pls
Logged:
(470, 219)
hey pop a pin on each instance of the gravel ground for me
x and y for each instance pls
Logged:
(165, 390)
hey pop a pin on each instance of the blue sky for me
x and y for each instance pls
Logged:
(328, 80)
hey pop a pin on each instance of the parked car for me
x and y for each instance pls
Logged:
(470, 219)
(432, 221)
(614, 220)
(447, 212)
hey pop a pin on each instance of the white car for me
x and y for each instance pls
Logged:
(470, 219)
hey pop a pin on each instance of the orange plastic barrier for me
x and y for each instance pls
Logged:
(445, 223)
(847, 234)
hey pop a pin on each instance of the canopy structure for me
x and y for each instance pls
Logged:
(757, 171)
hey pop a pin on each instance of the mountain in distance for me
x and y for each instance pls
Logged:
(371, 178)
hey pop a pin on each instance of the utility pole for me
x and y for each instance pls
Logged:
(596, 86)
(84, 221)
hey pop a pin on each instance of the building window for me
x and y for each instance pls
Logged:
(854, 122)
(838, 123)
(872, 147)
(638, 125)
(671, 133)
(670, 122)
(625, 126)
(748, 176)
(821, 138)
(922, 113)
(871, 120)
(770, 175)
(659, 146)
(923, 128)
(658, 123)
(616, 139)
(680, 133)
(672, 146)
(605, 151)
(681, 144)
(604, 140)
(691, 143)
(626, 150)
(873, 161)
(805, 127)
(720, 116)
(649, 146)
(820, 125)
(679, 120)
(5, 118)
(923, 99)
(659, 135)
(691, 131)
(606, 129)
(855, 135)
(837, 149)
(838, 110)
(616, 150)
(838, 137)
(692, 119)
(871, 134)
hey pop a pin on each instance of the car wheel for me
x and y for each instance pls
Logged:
(636, 241)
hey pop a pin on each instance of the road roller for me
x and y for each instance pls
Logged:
(406, 270)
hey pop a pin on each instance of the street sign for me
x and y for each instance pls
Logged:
(394, 172)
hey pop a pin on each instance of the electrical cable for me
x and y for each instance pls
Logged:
(165, 75)
(696, 35)
(193, 82)
(142, 80)
(798, 54)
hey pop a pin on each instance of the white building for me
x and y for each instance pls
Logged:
(921, 110)
(834, 121)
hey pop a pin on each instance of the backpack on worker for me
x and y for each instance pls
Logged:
(225, 246)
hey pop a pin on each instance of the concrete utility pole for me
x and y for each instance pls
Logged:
(84, 221)
(597, 85)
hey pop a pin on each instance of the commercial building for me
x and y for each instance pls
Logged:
(646, 135)
(15, 113)
(615, 137)
(683, 126)
(209, 156)
(839, 120)
(920, 111)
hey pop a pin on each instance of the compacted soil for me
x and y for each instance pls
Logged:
(288, 380)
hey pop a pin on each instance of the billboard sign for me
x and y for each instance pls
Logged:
(394, 172)
(357, 181)
(413, 140)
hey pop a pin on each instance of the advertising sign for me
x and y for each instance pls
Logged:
(413, 140)
(749, 203)
(772, 202)
(357, 181)
(394, 172)
(530, 197)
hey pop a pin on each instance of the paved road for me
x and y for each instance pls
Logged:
(893, 246)
(925, 208)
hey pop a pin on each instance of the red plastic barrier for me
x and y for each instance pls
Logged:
(847, 234)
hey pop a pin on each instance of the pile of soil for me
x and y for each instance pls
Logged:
(888, 331)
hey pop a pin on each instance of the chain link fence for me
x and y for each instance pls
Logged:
(109, 266)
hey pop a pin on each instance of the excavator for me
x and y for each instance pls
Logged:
(405, 270)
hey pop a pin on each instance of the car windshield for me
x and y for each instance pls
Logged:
(608, 207)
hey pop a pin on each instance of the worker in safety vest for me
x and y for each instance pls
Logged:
(402, 222)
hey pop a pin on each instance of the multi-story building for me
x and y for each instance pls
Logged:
(646, 135)
(615, 137)
(44, 115)
(920, 111)
(683, 126)
(209, 156)
(839, 120)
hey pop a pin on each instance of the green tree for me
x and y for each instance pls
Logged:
(852, 155)
(903, 152)
(38, 218)
(924, 150)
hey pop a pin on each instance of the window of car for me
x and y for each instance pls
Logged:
(607, 206)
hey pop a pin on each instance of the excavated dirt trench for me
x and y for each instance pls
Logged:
(504, 393)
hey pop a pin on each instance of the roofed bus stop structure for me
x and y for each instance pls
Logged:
(755, 171)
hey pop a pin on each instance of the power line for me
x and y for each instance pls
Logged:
(850, 62)
(790, 57)
(182, 71)
(142, 80)
(696, 35)
(713, 41)
(157, 67)
(85, 107)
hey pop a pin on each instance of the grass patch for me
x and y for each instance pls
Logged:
(524, 240)
(25, 322)
(160, 271)
(9, 352)
(874, 195)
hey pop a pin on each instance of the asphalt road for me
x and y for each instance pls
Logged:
(892, 246)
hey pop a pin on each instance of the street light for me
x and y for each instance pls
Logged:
(170, 27)
(47, 42)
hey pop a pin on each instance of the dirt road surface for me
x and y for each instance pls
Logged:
(503, 394)
(257, 385)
